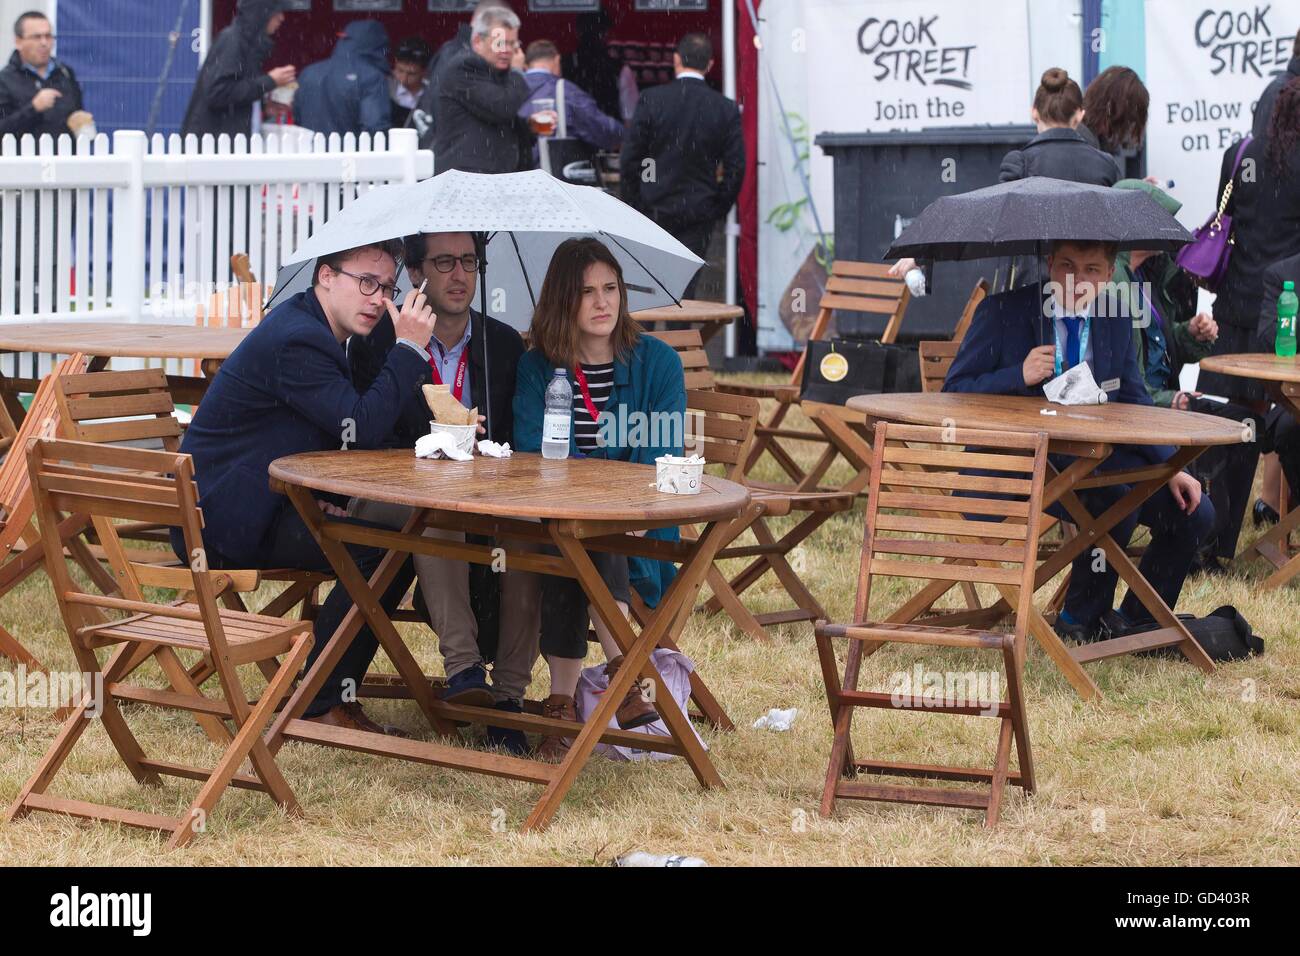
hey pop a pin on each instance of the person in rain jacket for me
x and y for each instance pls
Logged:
(231, 79)
(348, 93)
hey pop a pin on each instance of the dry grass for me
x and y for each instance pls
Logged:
(1172, 767)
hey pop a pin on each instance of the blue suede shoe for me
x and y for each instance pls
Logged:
(469, 688)
(511, 741)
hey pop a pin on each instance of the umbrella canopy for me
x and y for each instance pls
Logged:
(1022, 217)
(525, 216)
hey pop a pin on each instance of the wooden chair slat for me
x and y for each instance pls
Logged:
(963, 436)
(958, 459)
(863, 270)
(700, 380)
(111, 484)
(856, 303)
(119, 406)
(109, 508)
(138, 429)
(1005, 486)
(888, 290)
(945, 572)
(970, 529)
(932, 548)
(949, 503)
(132, 380)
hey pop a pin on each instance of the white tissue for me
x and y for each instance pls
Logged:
(915, 280)
(439, 445)
(1075, 387)
(777, 719)
(492, 450)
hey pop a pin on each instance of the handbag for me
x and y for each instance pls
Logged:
(838, 369)
(1206, 257)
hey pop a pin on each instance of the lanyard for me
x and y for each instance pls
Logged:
(458, 388)
(586, 393)
(1151, 304)
(1083, 341)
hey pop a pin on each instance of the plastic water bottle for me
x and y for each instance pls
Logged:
(557, 423)
(1284, 344)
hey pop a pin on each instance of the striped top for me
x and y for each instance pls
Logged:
(600, 382)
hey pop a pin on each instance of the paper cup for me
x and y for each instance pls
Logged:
(678, 476)
(463, 435)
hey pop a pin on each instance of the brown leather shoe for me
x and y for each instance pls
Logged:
(351, 717)
(553, 749)
(635, 711)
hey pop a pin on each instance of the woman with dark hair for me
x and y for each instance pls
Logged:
(1059, 150)
(621, 378)
(1265, 211)
(1115, 109)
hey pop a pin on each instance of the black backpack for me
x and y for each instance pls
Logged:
(1223, 634)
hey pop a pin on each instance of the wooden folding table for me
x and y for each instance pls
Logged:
(524, 502)
(709, 317)
(1282, 378)
(1087, 434)
(101, 341)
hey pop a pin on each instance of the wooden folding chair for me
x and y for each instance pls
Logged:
(135, 408)
(728, 426)
(109, 484)
(936, 356)
(20, 542)
(236, 307)
(865, 287)
(980, 505)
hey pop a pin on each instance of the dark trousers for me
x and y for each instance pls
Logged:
(1175, 539)
(1282, 435)
(1227, 473)
(565, 607)
(290, 545)
(695, 236)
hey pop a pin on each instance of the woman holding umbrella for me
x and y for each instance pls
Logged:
(581, 324)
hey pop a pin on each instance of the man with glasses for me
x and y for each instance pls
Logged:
(289, 388)
(477, 126)
(479, 615)
(37, 92)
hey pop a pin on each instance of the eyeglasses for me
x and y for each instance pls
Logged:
(39, 36)
(469, 262)
(369, 285)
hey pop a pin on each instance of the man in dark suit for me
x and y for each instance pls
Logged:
(1281, 432)
(477, 128)
(478, 615)
(1003, 354)
(681, 133)
(288, 388)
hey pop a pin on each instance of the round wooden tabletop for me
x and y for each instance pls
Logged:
(123, 339)
(691, 310)
(522, 486)
(1257, 365)
(1112, 423)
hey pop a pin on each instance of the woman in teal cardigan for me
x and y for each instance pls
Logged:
(635, 386)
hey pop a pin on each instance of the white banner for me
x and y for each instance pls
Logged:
(1206, 68)
(878, 65)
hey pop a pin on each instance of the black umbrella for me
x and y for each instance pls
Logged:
(1024, 216)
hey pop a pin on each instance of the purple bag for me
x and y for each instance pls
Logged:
(1205, 258)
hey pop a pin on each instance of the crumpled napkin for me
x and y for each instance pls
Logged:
(439, 445)
(492, 450)
(777, 719)
(1075, 387)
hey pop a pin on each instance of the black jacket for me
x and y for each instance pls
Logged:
(688, 129)
(1284, 270)
(428, 103)
(367, 357)
(1264, 108)
(477, 128)
(17, 87)
(348, 93)
(1265, 212)
(231, 79)
(1060, 154)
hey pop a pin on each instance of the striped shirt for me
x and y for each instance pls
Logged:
(600, 382)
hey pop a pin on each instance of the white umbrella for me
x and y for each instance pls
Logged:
(524, 217)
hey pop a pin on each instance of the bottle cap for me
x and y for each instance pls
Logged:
(1288, 286)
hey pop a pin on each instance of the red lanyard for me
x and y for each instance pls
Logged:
(458, 388)
(586, 393)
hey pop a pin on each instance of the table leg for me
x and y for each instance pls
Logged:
(843, 440)
(636, 663)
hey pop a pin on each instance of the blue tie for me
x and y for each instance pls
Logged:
(1071, 341)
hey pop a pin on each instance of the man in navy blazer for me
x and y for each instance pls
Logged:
(1019, 340)
(286, 389)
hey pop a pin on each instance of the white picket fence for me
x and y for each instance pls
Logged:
(144, 230)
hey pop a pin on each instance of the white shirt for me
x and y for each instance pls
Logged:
(690, 73)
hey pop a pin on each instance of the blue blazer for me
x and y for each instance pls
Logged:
(1007, 327)
(286, 389)
(649, 380)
